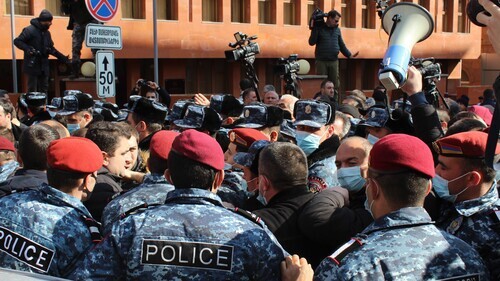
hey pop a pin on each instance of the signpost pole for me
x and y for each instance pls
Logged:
(14, 61)
(155, 40)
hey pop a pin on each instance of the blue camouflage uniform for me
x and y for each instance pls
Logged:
(153, 191)
(403, 245)
(191, 237)
(233, 189)
(43, 231)
(322, 174)
(477, 222)
(7, 170)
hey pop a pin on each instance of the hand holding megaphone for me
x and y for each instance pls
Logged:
(413, 83)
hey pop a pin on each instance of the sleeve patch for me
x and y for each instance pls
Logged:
(316, 184)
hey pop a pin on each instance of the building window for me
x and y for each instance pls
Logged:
(448, 16)
(291, 12)
(167, 10)
(54, 6)
(369, 14)
(463, 22)
(21, 7)
(313, 5)
(267, 11)
(347, 19)
(425, 3)
(240, 11)
(212, 10)
(133, 9)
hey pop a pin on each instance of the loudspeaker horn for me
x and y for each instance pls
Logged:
(406, 23)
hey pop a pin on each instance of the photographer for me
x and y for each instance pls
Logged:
(328, 40)
(152, 91)
(36, 42)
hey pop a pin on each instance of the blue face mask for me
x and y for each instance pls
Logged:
(440, 186)
(350, 178)
(52, 113)
(308, 142)
(73, 127)
(368, 206)
(261, 199)
(372, 139)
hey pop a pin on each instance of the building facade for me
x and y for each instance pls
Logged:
(193, 35)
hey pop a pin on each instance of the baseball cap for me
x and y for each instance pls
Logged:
(150, 110)
(36, 99)
(396, 153)
(349, 109)
(258, 115)
(200, 117)
(245, 159)
(312, 113)
(76, 103)
(376, 117)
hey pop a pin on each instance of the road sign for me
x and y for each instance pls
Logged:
(102, 10)
(100, 36)
(105, 74)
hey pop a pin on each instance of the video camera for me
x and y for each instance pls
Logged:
(427, 67)
(142, 83)
(431, 72)
(287, 65)
(317, 18)
(244, 47)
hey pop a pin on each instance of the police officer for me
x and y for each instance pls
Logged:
(153, 189)
(200, 118)
(402, 243)
(48, 230)
(315, 136)
(191, 236)
(239, 187)
(77, 109)
(37, 111)
(147, 117)
(468, 185)
(374, 125)
(266, 119)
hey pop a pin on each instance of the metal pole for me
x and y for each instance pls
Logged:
(155, 40)
(12, 30)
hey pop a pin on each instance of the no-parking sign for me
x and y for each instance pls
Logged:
(102, 10)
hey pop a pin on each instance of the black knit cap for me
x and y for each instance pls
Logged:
(45, 15)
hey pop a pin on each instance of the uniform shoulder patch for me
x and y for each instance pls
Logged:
(346, 249)
(25, 250)
(316, 184)
(247, 214)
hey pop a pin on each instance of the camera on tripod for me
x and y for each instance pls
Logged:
(244, 47)
(427, 67)
(317, 18)
(287, 65)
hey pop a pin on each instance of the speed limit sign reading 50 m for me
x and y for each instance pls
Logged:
(105, 74)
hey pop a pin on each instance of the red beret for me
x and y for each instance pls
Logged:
(245, 136)
(161, 143)
(482, 112)
(74, 154)
(6, 144)
(199, 147)
(470, 144)
(400, 152)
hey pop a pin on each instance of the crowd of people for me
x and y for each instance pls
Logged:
(230, 188)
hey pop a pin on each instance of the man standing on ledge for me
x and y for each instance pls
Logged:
(329, 43)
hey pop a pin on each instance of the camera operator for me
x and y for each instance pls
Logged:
(152, 91)
(36, 42)
(328, 40)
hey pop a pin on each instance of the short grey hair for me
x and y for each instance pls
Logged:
(347, 124)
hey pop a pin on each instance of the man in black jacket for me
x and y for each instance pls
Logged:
(36, 42)
(32, 153)
(283, 184)
(329, 43)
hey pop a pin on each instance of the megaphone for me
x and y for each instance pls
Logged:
(304, 67)
(406, 23)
